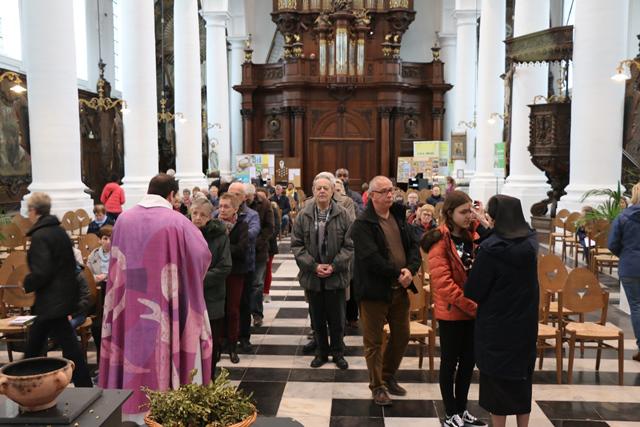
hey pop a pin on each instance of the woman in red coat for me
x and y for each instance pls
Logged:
(112, 198)
(451, 250)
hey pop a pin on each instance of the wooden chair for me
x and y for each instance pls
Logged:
(84, 219)
(583, 294)
(13, 238)
(23, 223)
(423, 195)
(546, 331)
(419, 331)
(71, 224)
(558, 231)
(570, 243)
(601, 256)
(552, 277)
(15, 301)
(87, 243)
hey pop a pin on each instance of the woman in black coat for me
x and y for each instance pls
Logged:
(504, 284)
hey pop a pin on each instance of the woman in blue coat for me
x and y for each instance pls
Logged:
(624, 242)
(504, 283)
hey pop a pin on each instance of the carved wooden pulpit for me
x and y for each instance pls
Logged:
(341, 96)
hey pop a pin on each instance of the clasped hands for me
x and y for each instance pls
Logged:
(324, 270)
(405, 277)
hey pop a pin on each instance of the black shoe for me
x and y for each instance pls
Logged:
(257, 320)
(319, 361)
(233, 355)
(340, 362)
(309, 347)
(381, 397)
(395, 388)
(245, 345)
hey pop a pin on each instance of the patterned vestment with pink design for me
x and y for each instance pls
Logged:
(155, 328)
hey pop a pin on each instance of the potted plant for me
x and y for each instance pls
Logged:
(609, 209)
(218, 404)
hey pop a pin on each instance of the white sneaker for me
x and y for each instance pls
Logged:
(470, 420)
(453, 421)
(266, 298)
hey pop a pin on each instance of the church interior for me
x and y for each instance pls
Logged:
(533, 99)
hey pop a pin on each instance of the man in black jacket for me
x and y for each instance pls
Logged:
(52, 277)
(386, 259)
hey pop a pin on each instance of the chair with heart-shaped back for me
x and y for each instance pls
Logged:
(558, 232)
(583, 294)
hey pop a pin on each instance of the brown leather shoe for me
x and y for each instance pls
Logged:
(381, 397)
(636, 357)
(395, 388)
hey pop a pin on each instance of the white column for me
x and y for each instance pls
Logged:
(235, 102)
(597, 104)
(139, 90)
(218, 88)
(525, 181)
(466, 16)
(490, 97)
(54, 123)
(186, 42)
(448, 56)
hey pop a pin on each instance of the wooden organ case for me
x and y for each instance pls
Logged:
(341, 96)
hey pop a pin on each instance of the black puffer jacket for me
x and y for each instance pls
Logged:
(215, 234)
(265, 213)
(504, 283)
(374, 272)
(53, 270)
(239, 241)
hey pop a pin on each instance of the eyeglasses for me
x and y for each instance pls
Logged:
(384, 191)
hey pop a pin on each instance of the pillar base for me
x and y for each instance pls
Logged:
(135, 188)
(190, 180)
(65, 196)
(484, 185)
(572, 201)
(529, 189)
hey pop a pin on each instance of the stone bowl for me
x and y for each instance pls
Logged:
(35, 383)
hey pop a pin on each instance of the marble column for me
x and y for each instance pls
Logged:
(218, 88)
(54, 123)
(525, 181)
(490, 97)
(188, 100)
(448, 56)
(236, 59)
(141, 120)
(466, 16)
(598, 102)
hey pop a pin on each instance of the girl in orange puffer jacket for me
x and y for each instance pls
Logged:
(451, 250)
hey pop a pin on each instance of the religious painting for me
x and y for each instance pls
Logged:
(458, 145)
(14, 158)
(283, 166)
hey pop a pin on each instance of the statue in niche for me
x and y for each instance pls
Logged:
(214, 163)
(339, 5)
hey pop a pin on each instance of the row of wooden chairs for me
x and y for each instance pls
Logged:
(564, 295)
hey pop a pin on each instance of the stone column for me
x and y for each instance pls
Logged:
(236, 58)
(448, 56)
(141, 121)
(218, 87)
(525, 181)
(188, 101)
(54, 123)
(490, 97)
(598, 102)
(466, 16)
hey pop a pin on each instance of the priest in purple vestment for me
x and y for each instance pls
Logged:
(155, 328)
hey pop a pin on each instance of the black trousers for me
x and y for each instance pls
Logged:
(352, 305)
(245, 306)
(456, 363)
(217, 330)
(61, 332)
(327, 309)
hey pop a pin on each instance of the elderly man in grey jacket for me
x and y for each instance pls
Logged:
(323, 250)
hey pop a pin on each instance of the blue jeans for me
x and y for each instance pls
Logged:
(632, 290)
(284, 223)
(257, 288)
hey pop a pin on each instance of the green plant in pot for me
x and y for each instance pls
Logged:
(218, 404)
(609, 209)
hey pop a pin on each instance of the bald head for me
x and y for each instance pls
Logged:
(237, 189)
(379, 182)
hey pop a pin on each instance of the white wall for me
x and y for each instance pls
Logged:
(261, 27)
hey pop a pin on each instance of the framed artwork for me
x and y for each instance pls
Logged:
(459, 145)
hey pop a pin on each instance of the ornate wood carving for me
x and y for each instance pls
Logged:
(552, 44)
(365, 111)
(631, 137)
(549, 135)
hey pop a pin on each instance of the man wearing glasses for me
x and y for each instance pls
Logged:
(386, 259)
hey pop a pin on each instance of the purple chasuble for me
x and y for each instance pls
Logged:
(155, 328)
